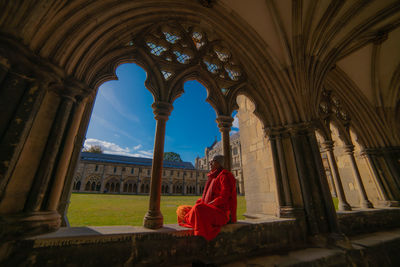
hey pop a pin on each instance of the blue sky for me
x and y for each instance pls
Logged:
(123, 122)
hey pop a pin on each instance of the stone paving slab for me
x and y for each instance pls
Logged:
(367, 251)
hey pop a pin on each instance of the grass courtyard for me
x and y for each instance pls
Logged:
(104, 209)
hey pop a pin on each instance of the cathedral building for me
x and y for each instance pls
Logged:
(106, 173)
(236, 155)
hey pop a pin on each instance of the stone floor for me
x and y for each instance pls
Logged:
(375, 249)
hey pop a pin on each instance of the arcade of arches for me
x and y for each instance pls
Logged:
(300, 74)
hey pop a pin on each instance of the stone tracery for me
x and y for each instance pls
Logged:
(175, 47)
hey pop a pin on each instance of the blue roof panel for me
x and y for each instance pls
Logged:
(109, 158)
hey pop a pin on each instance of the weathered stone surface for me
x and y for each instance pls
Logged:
(258, 242)
(170, 245)
(365, 221)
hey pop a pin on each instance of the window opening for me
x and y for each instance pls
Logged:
(181, 58)
(166, 74)
(156, 49)
(171, 37)
(213, 68)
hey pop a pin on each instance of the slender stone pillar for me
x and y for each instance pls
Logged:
(285, 201)
(364, 202)
(62, 167)
(385, 195)
(343, 204)
(225, 124)
(47, 165)
(318, 205)
(153, 218)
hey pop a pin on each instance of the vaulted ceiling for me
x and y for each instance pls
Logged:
(289, 51)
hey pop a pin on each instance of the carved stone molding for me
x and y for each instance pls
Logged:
(303, 128)
(224, 122)
(21, 225)
(162, 110)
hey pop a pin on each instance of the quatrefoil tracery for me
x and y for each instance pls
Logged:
(331, 105)
(175, 47)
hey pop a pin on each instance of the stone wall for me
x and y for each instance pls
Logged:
(258, 170)
(174, 245)
(169, 246)
(103, 175)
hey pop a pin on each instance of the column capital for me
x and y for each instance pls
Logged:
(328, 145)
(224, 122)
(70, 89)
(162, 110)
(349, 149)
(274, 132)
(302, 128)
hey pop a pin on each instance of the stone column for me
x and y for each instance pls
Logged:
(281, 174)
(318, 205)
(48, 162)
(225, 124)
(153, 218)
(385, 195)
(337, 183)
(364, 202)
(74, 159)
(390, 159)
(64, 161)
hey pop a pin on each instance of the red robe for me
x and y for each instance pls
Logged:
(215, 208)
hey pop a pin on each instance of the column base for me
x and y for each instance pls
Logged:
(344, 207)
(153, 220)
(290, 212)
(389, 203)
(22, 225)
(366, 205)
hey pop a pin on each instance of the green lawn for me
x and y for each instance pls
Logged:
(103, 209)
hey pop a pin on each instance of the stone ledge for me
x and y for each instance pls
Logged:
(174, 245)
(359, 221)
(375, 249)
(168, 246)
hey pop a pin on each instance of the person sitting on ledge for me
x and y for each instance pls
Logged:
(216, 207)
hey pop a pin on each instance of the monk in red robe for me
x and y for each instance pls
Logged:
(216, 207)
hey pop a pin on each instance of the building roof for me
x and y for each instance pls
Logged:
(109, 158)
(216, 143)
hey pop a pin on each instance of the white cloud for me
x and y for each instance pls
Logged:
(232, 132)
(112, 127)
(137, 147)
(112, 148)
(109, 96)
(148, 153)
(235, 122)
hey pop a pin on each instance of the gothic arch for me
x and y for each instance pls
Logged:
(94, 49)
(371, 129)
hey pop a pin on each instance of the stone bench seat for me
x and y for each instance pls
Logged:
(119, 245)
(174, 245)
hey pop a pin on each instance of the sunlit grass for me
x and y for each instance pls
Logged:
(335, 202)
(104, 209)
